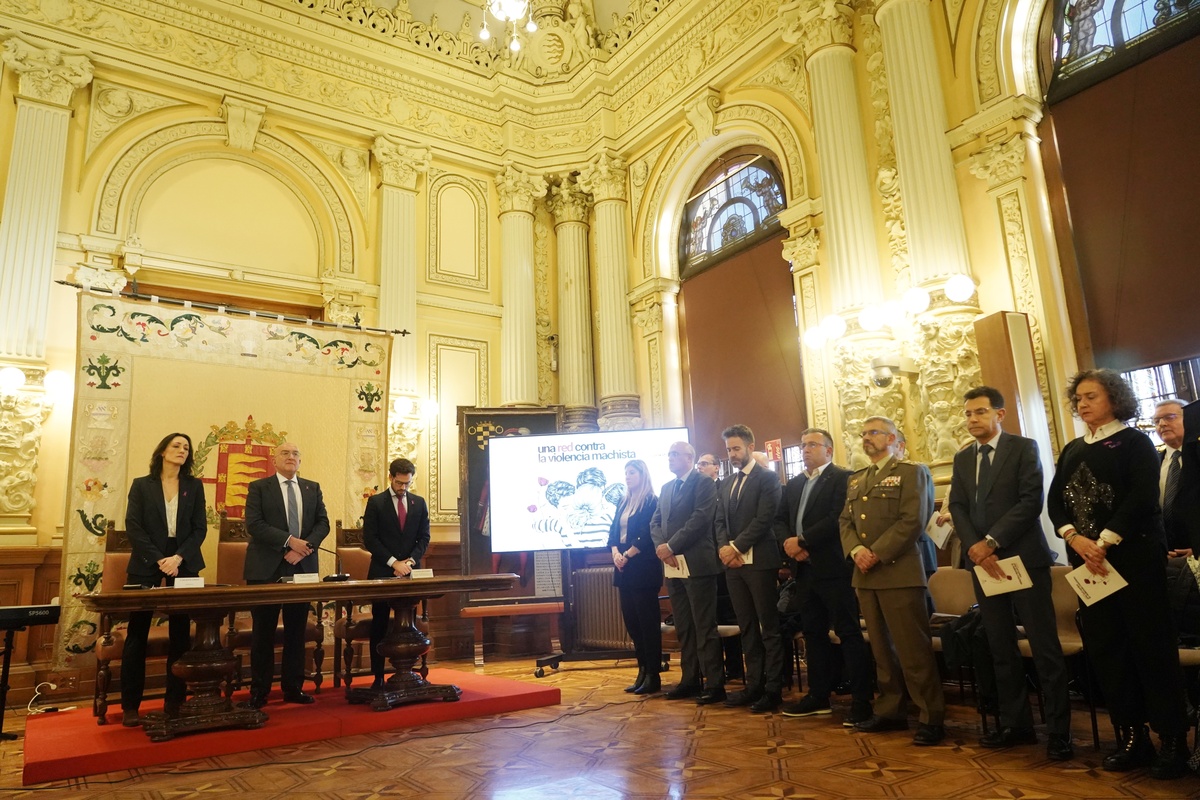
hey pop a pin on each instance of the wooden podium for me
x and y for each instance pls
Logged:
(208, 666)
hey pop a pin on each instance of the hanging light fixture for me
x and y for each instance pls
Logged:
(509, 12)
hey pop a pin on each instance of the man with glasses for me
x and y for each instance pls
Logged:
(880, 524)
(1168, 423)
(682, 532)
(996, 496)
(807, 526)
(709, 466)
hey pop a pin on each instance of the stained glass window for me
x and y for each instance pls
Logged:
(734, 209)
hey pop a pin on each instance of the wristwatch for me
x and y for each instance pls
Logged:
(991, 542)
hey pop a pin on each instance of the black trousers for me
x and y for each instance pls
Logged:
(832, 604)
(1132, 643)
(133, 655)
(755, 596)
(643, 620)
(262, 647)
(694, 607)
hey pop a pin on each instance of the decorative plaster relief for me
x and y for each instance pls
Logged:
(113, 105)
(987, 64)
(21, 419)
(605, 177)
(953, 14)
(556, 135)
(541, 289)
(779, 128)
(788, 74)
(352, 162)
(651, 227)
(1000, 163)
(858, 395)
(815, 24)
(568, 202)
(479, 349)
(244, 120)
(46, 74)
(814, 368)
(701, 113)
(639, 175)
(947, 358)
(400, 164)
(519, 189)
(476, 278)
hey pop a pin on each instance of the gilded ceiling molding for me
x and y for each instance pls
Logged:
(113, 105)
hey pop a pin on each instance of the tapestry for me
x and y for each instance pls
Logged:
(238, 386)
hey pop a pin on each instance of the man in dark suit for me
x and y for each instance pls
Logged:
(996, 496)
(746, 504)
(1168, 423)
(682, 532)
(1189, 479)
(286, 520)
(396, 533)
(807, 526)
(880, 523)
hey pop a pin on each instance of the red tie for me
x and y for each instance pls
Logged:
(401, 512)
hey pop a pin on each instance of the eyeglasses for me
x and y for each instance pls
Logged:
(872, 432)
(706, 463)
(1161, 418)
(812, 445)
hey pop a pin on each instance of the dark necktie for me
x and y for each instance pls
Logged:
(401, 511)
(678, 490)
(804, 495)
(978, 519)
(735, 491)
(1172, 487)
(293, 510)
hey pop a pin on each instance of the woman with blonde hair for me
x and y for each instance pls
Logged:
(639, 574)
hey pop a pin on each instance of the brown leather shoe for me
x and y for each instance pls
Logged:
(130, 718)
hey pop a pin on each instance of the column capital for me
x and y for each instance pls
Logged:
(568, 202)
(400, 163)
(803, 251)
(605, 178)
(1001, 162)
(46, 74)
(518, 189)
(816, 24)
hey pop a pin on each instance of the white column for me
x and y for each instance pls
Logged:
(577, 390)
(518, 327)
(400, 168)
(33, 194)
(937, 241)
(825, 32)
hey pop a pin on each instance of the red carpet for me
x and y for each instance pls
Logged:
(70, 744)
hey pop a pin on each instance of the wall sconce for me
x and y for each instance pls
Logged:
(11, 380)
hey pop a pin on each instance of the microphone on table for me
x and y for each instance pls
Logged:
(339, 576)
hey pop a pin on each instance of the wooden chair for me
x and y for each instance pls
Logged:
(231, 564)
(355, 561)
(111, 643)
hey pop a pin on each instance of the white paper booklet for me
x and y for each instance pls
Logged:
(677, 572)
(1091, 588)
(940, 534)
(1015, 578)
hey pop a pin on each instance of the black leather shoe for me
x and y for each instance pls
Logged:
(743, 698)
(682, 692)
(298, 697)
(1059, 747)
(378, 683)
(1007, 737)
(256, 701)
(651, 685)
(130, 718)
(860, 711)
(641, 677)
(707, 698)
(878, 724)
(766, 704)
(1134, 750)
(927, 734)
(1172, 759)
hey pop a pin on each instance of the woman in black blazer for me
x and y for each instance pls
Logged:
(639, 575)
(166, 525)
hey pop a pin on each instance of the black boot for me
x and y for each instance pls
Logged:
(652, 684)
(1134, 750)
(641, 677)
(1172, 758)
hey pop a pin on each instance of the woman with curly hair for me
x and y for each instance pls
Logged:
(1104, 504)
(639, 574)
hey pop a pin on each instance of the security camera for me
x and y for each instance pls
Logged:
(881, 376)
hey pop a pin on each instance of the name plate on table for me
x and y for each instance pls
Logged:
(189, 583)
(306, 577)
(421, 573)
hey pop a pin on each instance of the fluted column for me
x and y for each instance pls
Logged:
(937, 241)
(400, 167)
(577, 390)
(620, 404)
(33, 194)
(518, 327)
(824, 29)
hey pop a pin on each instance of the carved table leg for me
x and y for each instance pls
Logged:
(208, 669)
(403, 645)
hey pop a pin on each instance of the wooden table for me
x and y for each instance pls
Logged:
(208, 666)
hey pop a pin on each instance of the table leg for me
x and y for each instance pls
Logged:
(208, 669)
(403, 645)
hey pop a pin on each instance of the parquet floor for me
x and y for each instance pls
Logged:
(602, 744)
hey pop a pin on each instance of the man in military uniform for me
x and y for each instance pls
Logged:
(880, 525)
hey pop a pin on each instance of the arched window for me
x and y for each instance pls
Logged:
(735, 205)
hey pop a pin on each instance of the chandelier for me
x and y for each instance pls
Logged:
(509, 12)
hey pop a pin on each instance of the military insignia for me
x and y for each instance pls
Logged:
(890, 480)
(853, 485)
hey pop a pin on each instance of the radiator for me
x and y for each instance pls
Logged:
(598, 611)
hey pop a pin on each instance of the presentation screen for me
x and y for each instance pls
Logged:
(560, 491)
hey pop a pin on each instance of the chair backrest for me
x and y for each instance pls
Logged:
(355, 558)
(952, 590)
(1066, 606)
(117, 552)
(231, 551)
